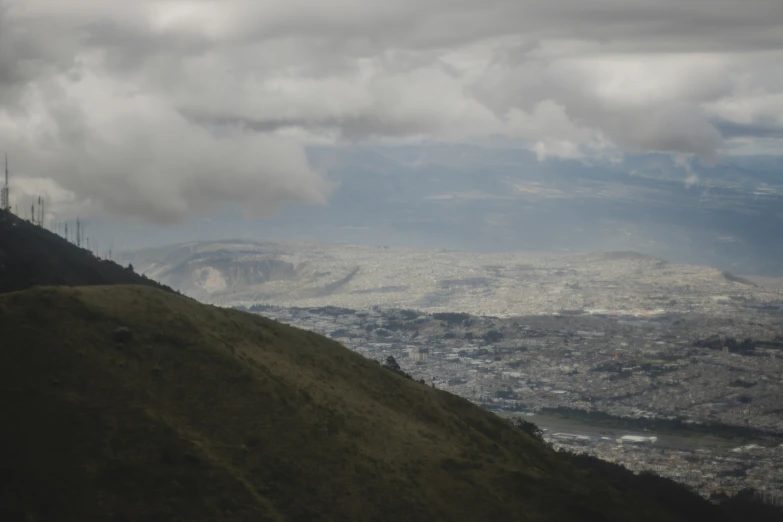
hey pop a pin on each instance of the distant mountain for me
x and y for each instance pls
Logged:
(307, 274)
(33, 256)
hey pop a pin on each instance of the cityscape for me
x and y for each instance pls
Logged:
(643, 369)
(660, 367)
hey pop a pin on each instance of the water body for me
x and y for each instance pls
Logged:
(556, 424)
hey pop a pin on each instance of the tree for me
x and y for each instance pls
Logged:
(392, 364)
(493, 336)
(528, 427)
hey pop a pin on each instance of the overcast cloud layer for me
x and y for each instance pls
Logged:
(160, 109)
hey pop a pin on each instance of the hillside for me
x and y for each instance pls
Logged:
(129, 403)
(31, 255)
(214, 414)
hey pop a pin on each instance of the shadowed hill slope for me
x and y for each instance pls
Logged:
(201, 413)
(31, 255)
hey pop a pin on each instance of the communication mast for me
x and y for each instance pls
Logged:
(5, 201)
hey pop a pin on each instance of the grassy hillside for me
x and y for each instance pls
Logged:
(214, 414)
(31, 255)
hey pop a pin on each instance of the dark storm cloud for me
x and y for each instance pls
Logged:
(163, 108)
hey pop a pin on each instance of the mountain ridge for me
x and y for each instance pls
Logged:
(246, 273)
(30, 255)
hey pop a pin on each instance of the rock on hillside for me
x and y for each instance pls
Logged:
(212, 414)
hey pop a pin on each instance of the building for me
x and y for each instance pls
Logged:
(636, 439)
(5, 195)
(419, 354)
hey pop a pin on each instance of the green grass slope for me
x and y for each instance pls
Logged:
(213, 414)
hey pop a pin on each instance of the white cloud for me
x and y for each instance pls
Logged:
(160, 109)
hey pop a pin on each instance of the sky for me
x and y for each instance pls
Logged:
(161, 112)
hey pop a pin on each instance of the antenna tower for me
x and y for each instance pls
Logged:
(5, 201)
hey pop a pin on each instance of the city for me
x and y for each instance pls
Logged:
(704, 374)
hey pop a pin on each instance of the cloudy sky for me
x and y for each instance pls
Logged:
(159, 110)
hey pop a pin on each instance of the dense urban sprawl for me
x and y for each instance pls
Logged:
(715, 363)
